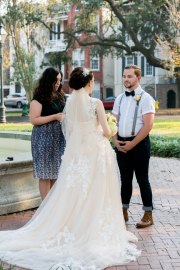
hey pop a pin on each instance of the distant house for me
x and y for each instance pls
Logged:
(153, 81)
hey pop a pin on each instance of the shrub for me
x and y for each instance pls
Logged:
(162, 146)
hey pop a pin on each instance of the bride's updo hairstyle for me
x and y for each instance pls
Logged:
(79, 78)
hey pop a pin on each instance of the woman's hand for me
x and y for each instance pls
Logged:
(58, 117)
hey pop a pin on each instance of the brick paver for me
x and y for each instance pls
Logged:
(160, 243)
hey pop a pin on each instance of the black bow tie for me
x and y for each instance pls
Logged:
(130, 93)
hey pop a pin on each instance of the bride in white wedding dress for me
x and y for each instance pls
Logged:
(79, 225)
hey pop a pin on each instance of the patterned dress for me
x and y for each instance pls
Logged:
(48, 144)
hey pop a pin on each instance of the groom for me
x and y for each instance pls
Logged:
(134, 111)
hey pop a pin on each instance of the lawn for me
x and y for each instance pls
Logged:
(13, 114)
(16, 127)
(169, 127)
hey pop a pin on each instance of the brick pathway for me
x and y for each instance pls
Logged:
(160, 243)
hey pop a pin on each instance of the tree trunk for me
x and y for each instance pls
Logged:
(177, 70)
(29, 96)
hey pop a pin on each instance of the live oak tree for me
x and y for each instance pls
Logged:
(170, 46)
(26, 37)
(57, 59)
(22, 35)
(128, 27)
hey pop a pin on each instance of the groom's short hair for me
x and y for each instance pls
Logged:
(137, 70)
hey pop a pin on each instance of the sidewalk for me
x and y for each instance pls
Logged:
(17, 119)
(160, 243)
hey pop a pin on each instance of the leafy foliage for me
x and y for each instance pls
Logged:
(25, 70)
(164, 146)
(17, 23)
(57, 59)
(170, 43)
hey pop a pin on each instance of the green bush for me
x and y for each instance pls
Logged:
(111, 142)
(162, 146)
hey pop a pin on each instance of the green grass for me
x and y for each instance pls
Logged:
(168, 127)
(13, 114)
(16, 127)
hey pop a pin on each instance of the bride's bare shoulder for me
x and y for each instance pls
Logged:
(96, 100)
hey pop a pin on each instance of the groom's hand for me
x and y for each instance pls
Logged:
(117, 144)
(127, 145)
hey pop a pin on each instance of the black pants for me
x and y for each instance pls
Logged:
(136, 160)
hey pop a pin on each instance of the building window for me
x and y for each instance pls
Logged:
(129, 61)
(17, 88)
(77, 25)
(52, 36)
(77, 9)
(78, 58)
(95, 23)
(148, 69)
(95, 63)
(57, 28)
(96, 90)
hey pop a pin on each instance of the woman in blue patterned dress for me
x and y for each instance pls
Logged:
(48, 141)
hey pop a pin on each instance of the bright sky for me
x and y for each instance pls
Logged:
(3, 10)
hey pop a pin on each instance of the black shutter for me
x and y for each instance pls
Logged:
(142, 66)
(50, 33)
(123, 64)
(59, 29)
(153, 71)
(135, 61)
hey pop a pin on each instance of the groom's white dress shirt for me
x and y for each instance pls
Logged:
(127, 108)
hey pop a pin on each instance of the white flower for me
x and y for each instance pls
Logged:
(137, 97)
(85, 72)
(112, 122)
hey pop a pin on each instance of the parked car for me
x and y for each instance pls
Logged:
(15, 100)
(109, 102)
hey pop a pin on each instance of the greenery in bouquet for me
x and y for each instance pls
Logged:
(112, 123)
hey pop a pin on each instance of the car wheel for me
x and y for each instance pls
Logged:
(19, 105)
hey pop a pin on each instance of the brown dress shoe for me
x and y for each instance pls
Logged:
(146, 221)
(125, 213)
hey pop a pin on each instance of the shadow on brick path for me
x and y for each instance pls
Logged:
(160, 243)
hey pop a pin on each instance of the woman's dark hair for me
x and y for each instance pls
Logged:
(46, 86)
(78, 80)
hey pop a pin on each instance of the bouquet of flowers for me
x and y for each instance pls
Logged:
(112, 123)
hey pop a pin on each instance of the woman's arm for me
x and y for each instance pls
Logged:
(35, 114)
(103, 119)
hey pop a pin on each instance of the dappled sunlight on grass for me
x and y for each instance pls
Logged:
(16, 127)
(169, 127)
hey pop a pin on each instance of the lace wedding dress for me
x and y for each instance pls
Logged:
(79, 225)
